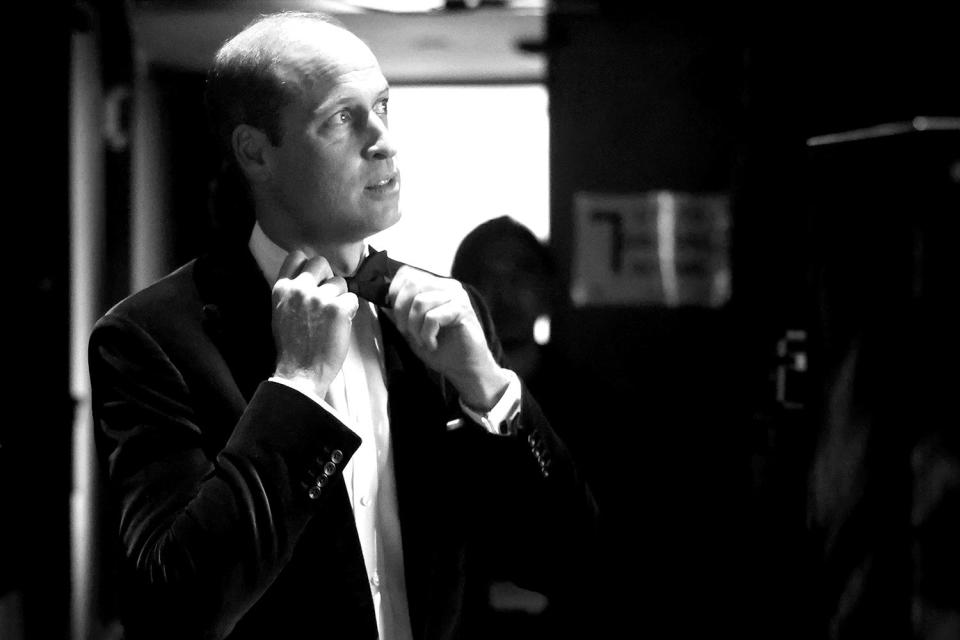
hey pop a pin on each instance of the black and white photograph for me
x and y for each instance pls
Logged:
(481, 320)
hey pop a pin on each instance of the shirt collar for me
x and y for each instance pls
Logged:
(270, 256)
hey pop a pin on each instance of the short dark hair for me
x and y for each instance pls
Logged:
(246, 83)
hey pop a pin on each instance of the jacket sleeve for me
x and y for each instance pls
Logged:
(205, 527)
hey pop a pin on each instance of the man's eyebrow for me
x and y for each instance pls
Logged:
(328, 104)
(344, 99)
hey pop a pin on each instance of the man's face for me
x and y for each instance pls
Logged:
(333, 174)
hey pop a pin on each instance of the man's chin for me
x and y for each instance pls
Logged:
(385, 219)
(373, 222)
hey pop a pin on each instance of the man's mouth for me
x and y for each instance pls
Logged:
(384, 185)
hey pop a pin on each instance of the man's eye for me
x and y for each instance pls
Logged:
(340, 117)
(381, 107)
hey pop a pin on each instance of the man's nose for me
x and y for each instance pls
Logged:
(381, 144)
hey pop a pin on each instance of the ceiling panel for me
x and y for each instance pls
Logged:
(437, 46)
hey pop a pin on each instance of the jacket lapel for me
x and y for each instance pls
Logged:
(420, 406)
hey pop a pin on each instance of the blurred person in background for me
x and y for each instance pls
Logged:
(514, 273)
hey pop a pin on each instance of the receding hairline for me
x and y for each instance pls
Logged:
(279, 37)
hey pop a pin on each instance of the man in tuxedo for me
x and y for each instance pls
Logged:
(286, 459)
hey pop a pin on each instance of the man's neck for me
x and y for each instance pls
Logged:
(270, 254)
(344, 257)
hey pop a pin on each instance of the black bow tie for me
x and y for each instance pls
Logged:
(373, 278)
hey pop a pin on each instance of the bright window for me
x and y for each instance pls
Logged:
(466, 154)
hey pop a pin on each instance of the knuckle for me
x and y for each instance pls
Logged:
(315, 304)
(330, 311)
(344, 301)
(296, 284)
(282, 286)
(305, 278)
(326, 293)
(321, 268)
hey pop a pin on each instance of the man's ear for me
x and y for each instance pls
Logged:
(251, 149)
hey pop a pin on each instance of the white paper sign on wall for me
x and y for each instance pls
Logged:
(658, 248)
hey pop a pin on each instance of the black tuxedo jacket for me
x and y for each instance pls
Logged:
(212, 478)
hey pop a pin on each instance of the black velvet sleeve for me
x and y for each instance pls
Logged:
(204, 529)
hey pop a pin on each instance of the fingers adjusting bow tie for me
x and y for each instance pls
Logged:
(373, 278)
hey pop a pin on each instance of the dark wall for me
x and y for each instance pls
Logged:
(641, 103)
(885, 220)
(703, 475)
(194, 161)
(35, 437)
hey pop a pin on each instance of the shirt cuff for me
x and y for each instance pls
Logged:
(307, 390)
(501, 420)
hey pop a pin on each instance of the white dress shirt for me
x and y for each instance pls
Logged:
(358, 398)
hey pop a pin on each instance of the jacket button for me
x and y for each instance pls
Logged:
(329, 469)
(314, 493)
(336, 456)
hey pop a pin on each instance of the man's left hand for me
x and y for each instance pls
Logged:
(434, 314)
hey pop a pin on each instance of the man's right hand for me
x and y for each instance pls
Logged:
(312, 316)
